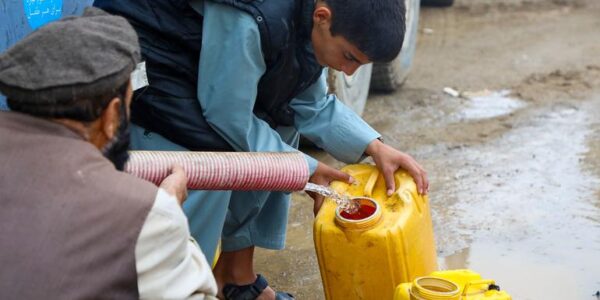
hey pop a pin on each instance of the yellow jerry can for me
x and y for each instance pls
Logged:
(368, 256)
(451, 285)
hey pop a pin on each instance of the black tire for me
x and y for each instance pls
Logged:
(387, 77)
(438, 3)
(351, 90)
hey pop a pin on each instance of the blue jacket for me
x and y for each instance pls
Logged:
(171, 38)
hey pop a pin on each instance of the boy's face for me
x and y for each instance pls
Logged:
(333, 51)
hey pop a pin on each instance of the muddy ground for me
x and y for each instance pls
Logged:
(515, 178)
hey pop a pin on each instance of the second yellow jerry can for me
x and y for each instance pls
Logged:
(451, 285)
(365, 256)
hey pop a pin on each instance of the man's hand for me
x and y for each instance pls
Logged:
(176, 184)
(324, 175)
(388, 160)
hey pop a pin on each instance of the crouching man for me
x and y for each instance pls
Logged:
(72, 226)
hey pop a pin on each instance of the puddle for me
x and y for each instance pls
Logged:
(488, 104)
(521, 210)
(527, 275)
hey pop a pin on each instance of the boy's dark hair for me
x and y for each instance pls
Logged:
(375, 27)
(84, 109)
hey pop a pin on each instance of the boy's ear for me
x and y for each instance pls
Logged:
(321, 15)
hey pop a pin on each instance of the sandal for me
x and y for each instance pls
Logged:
(251, 291)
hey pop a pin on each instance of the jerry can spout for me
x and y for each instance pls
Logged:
(433, 288)
(368, 215)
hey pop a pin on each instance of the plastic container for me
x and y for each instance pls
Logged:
(451, 285)
(367, 257)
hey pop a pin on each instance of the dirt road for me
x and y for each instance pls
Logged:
(514, 174)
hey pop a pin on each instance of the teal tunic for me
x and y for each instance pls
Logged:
(231, 65)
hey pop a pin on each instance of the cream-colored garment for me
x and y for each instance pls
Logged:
(169, 262)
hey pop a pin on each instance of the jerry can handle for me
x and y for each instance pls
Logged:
(491, 283)
(370, 185)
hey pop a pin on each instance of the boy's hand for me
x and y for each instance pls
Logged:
(324, 175)
(388, 160)
(176, 184)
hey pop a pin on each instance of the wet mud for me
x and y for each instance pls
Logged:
(514, 163)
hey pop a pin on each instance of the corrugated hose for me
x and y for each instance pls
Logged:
(239, 171)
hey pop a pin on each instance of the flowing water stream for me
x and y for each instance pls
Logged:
(346, 203)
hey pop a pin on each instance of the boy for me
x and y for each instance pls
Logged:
(243, 75)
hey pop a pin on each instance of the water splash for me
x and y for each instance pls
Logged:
(343, 201)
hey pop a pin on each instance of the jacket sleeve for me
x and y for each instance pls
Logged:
(169, 263)
(231, 65)
(330, 124)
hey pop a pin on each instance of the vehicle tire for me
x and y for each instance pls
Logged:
(439, 3)
(351, 90)
(387, 77)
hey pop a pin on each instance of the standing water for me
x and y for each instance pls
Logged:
(343, 201)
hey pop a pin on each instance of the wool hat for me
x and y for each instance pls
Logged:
(70, 60)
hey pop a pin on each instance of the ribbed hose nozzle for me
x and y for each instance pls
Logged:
(239, 171)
